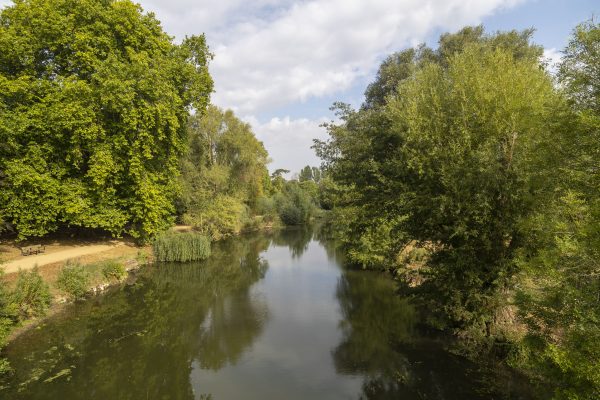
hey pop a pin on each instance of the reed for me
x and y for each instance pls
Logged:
(181, 247)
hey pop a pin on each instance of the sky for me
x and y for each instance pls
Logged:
(280, 64)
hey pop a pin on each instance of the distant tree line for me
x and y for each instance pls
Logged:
(473, 174)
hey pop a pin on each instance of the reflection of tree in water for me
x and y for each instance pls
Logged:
(324, 234)
(233, 322)
(139, 342)
(397, 362)
(374, 318)
(296, 238)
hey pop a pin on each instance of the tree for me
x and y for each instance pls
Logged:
(224, 172)
(306, 174)
(316, 174)
(478, 159)
(444, 161)
(94, 100)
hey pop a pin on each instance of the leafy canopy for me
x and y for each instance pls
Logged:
(94, 100)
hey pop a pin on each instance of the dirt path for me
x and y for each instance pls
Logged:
(58, 256)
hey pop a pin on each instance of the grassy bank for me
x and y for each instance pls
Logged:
(29, 296)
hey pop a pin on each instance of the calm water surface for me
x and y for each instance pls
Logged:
(268, 316)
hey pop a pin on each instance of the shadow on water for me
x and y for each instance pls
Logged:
(385, 342)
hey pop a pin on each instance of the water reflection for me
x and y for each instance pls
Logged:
(140, 342)
(268, 316)
(373, 319)
(295, 238)
(381, 343)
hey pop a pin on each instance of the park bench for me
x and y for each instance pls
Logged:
(27, 251)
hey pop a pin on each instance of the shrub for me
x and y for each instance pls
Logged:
(4, 366)
(31, 297)
(74, 281)
(113, 270)
(142, 257)
(294, 205)
(290, 214)
(8, 318)
(6, 322)
(181, 247)
(267, 207)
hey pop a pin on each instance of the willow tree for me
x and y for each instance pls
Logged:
(447, 159)
(94, 100)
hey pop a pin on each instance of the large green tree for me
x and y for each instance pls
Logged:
(94, 100)
(444, 160)
(474, 153)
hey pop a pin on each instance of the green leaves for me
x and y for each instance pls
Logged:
(223, 173)
(74, 280)
(94, 101)
(478, 157)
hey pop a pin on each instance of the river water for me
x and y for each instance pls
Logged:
(268, 316)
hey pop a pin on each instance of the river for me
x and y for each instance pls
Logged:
(267, 316)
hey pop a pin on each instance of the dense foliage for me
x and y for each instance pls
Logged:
(224, 173)
(181, 247)
(561, 305)
(226, 184)
(472, 155)
(94, 101)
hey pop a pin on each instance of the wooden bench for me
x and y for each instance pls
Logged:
(27, 251)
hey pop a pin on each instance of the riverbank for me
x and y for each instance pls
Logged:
(92, 255)
(88, 253)
(261, 306)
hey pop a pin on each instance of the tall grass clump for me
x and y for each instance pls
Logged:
(181, 247)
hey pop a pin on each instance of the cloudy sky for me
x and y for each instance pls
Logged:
(279, 64)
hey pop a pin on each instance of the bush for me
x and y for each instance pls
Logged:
(74, 281)
(142, 257)
(31, 297)
(7, 321)
(294, 205)
(4, 366)
(181, 247)
(290, 214)
(113, 270)
(266, 206)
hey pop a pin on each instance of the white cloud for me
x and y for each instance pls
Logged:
(283, 53)
(273, 53)
(288, 140)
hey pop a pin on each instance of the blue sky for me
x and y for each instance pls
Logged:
(279, 64)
